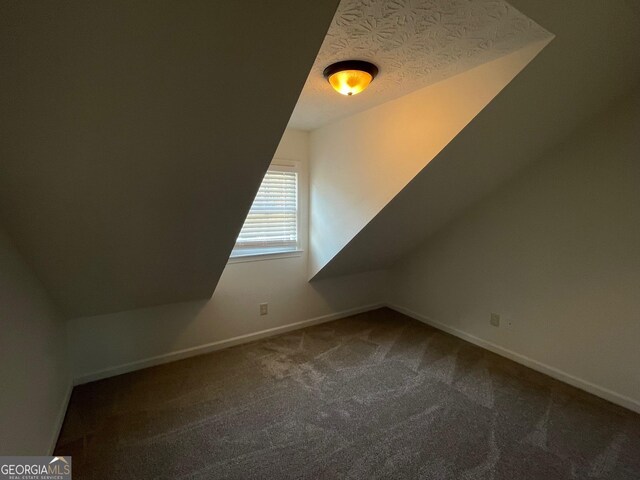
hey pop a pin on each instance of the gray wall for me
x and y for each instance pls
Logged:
(556, 252)
(135, 135)
(34, 374)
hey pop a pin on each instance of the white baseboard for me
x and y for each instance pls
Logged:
(565, 377)
(60, 419)
(219, 345)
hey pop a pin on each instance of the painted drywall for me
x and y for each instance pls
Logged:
(126, 173)
(105, 343)
(556, 252)
(592, 60)
(35, 378)
(360, 163)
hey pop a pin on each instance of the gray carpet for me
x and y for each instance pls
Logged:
(377, 395)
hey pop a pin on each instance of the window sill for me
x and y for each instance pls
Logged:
(258, 257)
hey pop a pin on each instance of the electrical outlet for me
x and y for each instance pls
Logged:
(495, 320)
(264, 308)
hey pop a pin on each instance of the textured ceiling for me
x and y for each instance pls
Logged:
(592, 61)
(414, 43)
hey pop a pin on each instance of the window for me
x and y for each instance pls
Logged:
(272, 223)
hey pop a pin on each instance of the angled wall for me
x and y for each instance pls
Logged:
(592, 61)
(135, 135)
(105, 345)
(35, 378)
(556, 252)
(360, 163)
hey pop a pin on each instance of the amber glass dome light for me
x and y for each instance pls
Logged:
(351, 76)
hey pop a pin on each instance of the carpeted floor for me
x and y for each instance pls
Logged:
(377, 395)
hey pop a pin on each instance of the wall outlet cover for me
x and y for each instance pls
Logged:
(495, 320)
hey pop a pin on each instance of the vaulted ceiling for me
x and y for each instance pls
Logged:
(359, 164)
(593, 60)
(135, 135)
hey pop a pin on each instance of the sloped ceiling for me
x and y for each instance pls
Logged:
(593, 60)
(359, 164)
(414, 43)
(135, 134)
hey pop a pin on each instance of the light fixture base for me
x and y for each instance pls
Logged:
(350, 77)
(360, 65)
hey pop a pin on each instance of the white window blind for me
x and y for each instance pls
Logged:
(272, 222)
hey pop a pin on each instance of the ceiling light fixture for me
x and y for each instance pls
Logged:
(351, 76)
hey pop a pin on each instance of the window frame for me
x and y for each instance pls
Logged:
(266, 253)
